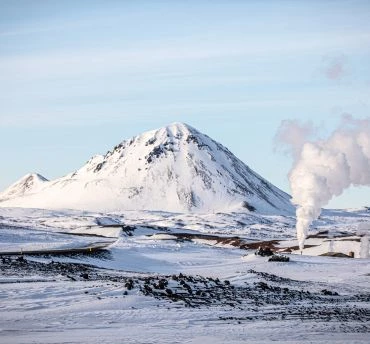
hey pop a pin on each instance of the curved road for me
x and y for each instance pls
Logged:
(92, 247)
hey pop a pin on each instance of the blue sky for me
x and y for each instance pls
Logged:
(78, 77)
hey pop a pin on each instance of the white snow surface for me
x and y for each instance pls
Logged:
(175, 169)
(39, 309)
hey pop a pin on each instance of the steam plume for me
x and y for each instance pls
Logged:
(325, 168)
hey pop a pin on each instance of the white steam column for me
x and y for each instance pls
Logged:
(364, 232)
(323, 169)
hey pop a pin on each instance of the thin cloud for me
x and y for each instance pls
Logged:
(336, 68)
(89, 62)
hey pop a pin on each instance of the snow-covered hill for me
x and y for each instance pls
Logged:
(175, 168)
(28, 184)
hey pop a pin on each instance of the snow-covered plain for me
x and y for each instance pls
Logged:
(54, 299)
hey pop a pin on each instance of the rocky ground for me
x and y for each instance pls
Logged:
(268, 297)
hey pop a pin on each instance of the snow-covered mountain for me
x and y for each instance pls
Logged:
(175, 168)
(28, 184)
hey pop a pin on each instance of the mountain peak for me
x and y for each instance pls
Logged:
(179, 127)
(30, 179)
(34, 176)
(31, 182)
(171, 132)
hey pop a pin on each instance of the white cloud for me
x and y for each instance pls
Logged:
(77, 63)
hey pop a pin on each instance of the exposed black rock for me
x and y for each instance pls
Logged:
(293, 298)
